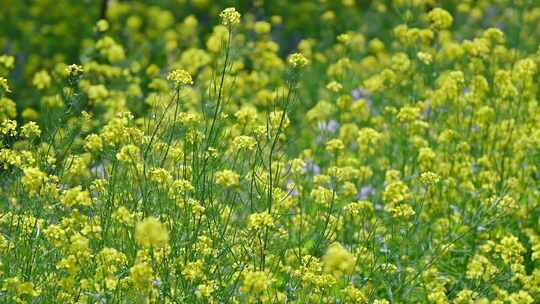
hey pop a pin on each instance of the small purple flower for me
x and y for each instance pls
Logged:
(312, 167)
(291, 189)
(427, 109)
(358, 93)
(331, 126)
(365, 192)
(98, 170)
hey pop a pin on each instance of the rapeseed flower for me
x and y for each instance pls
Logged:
(151, 233)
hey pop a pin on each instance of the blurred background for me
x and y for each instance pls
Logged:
(42, 33)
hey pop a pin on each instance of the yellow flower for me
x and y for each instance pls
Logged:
(7, 61)
(334, 86)
(335, 145)
(76, 196)
(20, 288)
(151, 233)
(8, 109)
(338, 261)
(480, 267)
(520, 297)
(161, 176)
(194, 270)
(123, 215)
(29, 114)
(297, 60)
(41, 80)
(205, 290)
(180, 77)
(142, 276)
(262, 27)
(128, 153)
(322, 195)
(102, 25)
(33, 179)
(227, 178)
(230, 17)
(256, 281)
(429, 178)
(4, 84)
(30, 130)
(244, 142)
(93, 143)
(260, 220)
(74, 70)
(97, 92)
(440, 19)
(111, 50)
(424, 57)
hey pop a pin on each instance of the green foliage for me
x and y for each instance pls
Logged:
(269, 152)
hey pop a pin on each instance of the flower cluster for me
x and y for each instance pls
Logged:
(180, 77)
(230, 17)
(300, 152)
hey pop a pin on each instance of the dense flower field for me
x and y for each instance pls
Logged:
(203, 151)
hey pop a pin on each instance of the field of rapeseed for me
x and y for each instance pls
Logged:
(309, 151)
